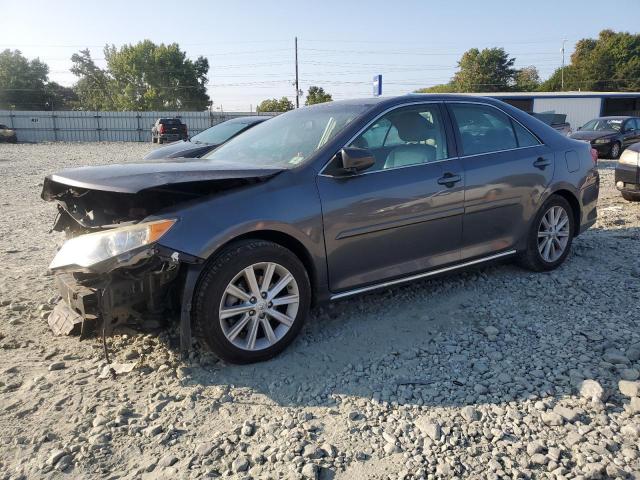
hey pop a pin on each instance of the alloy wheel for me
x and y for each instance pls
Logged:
(259, 305)
(553, 234)
(615, 150)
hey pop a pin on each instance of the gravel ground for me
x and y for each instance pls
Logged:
(490, 373)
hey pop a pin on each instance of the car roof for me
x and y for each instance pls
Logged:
(616, 117)
(414, 97)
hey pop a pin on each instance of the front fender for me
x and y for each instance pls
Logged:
(287, 204)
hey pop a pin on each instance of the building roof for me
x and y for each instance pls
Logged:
(516, 95)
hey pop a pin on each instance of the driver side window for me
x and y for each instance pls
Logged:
(404, 137)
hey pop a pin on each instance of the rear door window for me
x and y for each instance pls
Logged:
(483, 129)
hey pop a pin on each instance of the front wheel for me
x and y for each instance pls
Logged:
(614, 152)
(550, 236)
(251, 301)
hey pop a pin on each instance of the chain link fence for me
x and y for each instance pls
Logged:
(83, 126)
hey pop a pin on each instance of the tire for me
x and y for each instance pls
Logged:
(631, 197)
(615, 150)
(160, 141)
(230, 337)
(153, 139)
(533, 258)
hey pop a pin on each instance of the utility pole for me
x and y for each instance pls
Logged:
(562, 69)
(297, 88)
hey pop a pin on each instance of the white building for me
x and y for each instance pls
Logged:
(579, 107)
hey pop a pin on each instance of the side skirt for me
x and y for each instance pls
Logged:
(397, 281)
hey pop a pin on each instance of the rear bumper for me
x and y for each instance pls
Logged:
(589, 201)
(172, 137)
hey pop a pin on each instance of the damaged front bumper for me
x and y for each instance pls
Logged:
(135, 294)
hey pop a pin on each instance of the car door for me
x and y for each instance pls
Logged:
(402, 215)
(506, 168)
(631, 131)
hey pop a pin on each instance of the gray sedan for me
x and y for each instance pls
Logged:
(317, 204)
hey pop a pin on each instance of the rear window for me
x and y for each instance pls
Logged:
(170, 121)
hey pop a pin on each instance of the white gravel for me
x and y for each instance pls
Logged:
(491, 373)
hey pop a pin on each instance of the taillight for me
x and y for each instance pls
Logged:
(161, 129)
(594, 156)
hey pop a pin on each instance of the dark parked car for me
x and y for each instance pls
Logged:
(168, 130)
(207, 140)
(317, 204)
(628, 173)
(610, 135)
(7, 134)
(557, 121)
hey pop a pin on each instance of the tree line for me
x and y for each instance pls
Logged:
(149, 76)
(609, 63)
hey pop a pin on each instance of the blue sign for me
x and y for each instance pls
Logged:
(377, 85)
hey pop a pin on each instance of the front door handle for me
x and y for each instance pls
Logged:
(541, 163)
(449, 179)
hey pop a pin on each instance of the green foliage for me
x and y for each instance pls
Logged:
(317, 95)
(527, 79)
(609, 63)
(275, 105)
(144, 76)
(60, 97)
(488, 70)
(442, 88)
(22, 82)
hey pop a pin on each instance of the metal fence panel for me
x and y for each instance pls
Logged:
(85, 126)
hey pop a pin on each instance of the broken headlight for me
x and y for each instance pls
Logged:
(92, 248)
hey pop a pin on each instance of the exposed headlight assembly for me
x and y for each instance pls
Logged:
(602, 140)
(87, 250)
(630, 157)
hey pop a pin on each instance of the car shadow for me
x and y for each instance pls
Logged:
(487, 335)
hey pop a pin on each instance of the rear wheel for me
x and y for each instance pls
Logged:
(631, 197)
(614, 152)
(251, 301)
(550, 236)
(153, 139)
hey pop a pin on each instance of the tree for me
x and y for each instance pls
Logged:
(442, 88)
(610, 62)
(22, 82)
(488, 70)
(527, 79)
(275, 105)
(317, 95)
(144, 76)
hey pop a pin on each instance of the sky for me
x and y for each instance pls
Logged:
(342, 44)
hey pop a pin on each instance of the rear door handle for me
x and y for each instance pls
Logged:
(541, 163)
(449, 179)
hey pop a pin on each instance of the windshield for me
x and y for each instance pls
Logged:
(219, 133)
(287, 140)
(603, 124)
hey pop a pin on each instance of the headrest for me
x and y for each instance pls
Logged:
(412, 127)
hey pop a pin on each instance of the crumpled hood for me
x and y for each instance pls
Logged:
(592, 134)
(136, 177)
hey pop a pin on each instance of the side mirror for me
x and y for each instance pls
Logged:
(355, 160)
(579, 128)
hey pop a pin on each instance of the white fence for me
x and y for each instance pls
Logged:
(81, 126)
